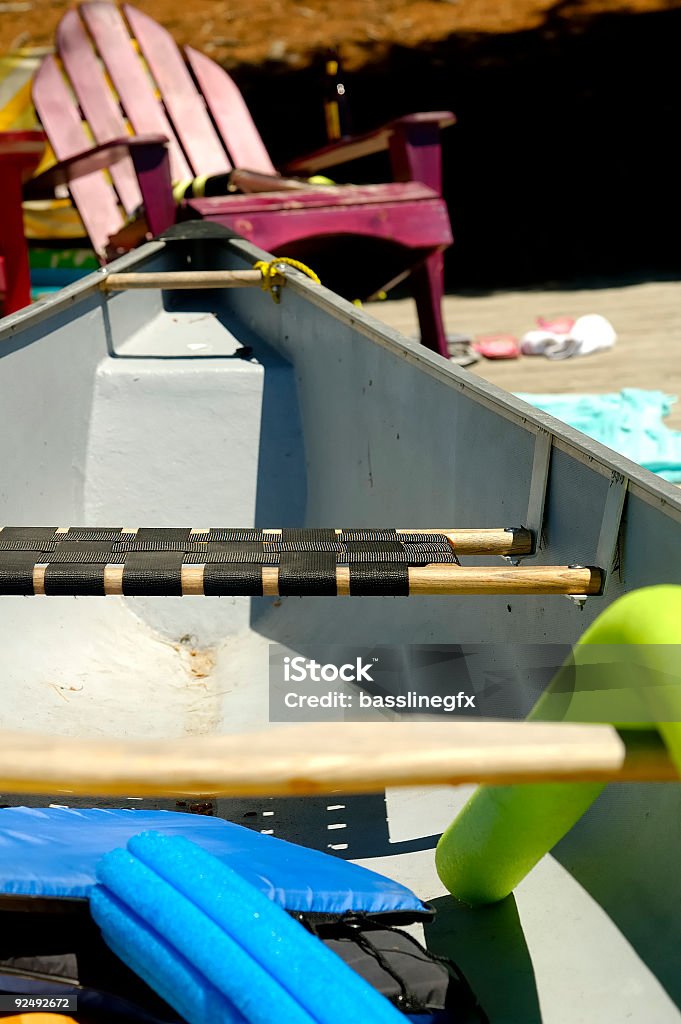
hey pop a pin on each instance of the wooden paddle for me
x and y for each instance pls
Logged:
(328, 757)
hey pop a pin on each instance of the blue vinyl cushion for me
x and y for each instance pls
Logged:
(53, 852)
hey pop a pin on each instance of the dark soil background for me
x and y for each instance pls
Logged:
(564, 161)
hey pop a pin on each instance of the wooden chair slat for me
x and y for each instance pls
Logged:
(93, 195)
(230, 113)
(182, 101)
(100, 109)
(143, 109)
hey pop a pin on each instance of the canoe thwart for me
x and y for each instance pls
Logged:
(327, 757)
(270, 276)
(249, 563)
(185, 279)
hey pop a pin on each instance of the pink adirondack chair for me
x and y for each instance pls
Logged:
(201, 126)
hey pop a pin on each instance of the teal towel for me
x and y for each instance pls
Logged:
(629, 422)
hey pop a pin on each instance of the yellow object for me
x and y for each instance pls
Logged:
(270, 273)
(320, 179)
(180, 187)
(332, 115)
(52, 219)
(198, 187)
(41, 1018)
(16, 73)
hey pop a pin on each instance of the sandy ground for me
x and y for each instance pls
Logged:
(646, 316)
(296, 31)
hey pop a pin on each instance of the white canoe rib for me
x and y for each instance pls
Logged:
(331, 757)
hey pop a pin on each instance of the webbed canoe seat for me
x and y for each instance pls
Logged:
(83, 561)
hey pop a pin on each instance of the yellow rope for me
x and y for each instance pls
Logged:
(271, 277)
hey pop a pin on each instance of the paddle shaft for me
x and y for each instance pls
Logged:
(328, 757)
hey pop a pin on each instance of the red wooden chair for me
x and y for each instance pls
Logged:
(189, 119)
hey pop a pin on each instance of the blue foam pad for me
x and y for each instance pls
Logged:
(262, 961)
(54, 851)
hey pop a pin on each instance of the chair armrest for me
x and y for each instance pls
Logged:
(99, 158)
(371, 142)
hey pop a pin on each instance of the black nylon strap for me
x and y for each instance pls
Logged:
(351, 535)
(155, 533)
(225, 580)
(310, 572)
(132, 544)
(379, 579)
(92, 533)
(64, 556)
(153, 573)
(382, 546)
(28, 545)
(234, 547)
(83, 579)
(240, 535)
(416, 555)
(307, 545)
(402, 556)
(233, 557)
(16, 573)
(153, 559)
(290, 534)
(28, 533)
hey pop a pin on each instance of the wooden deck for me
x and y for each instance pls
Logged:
(647, 318)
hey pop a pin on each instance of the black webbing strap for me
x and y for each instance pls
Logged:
(165, 535)
(379, 579)
(81, 579)
(311, 572)
(308, 535)
(225, 579)
(233, 535)
(16, 572)
(150, 561)
(93, 533)
(368, 534)
(153, 572)
(28, 533)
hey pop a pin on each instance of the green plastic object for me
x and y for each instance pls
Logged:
(503, 831)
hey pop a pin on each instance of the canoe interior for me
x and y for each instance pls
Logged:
(143, 408)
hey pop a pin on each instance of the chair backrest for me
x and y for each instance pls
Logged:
(118, 71)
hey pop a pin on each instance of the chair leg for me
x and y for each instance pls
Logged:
(12, 244)
(428, 290)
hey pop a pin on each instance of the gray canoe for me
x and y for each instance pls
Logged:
(141, 408)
